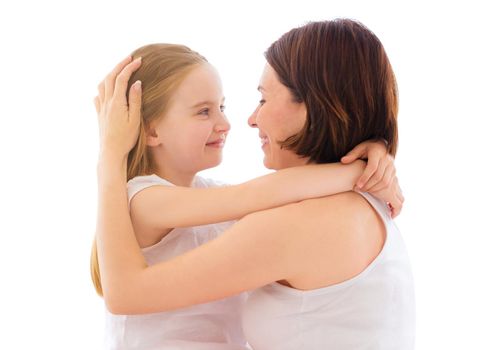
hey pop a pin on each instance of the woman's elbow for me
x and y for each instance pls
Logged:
(119, 303)
(115, 304)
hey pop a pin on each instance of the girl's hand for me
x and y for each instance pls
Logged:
(392, 195)
(379, 177)
(118, 118)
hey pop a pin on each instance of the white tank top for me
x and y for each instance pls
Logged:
(374, 310)
(211, 326)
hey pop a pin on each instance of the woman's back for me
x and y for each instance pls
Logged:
(367, 301)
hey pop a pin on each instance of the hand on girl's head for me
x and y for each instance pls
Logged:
(118, 116)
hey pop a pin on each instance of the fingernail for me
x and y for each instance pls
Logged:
(137, 85)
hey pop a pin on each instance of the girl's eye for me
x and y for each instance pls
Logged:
(261, 102)
(204, 111)
(222, 108)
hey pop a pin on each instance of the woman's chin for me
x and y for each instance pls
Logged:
(268, 163)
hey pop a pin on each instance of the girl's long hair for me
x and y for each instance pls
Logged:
(163, 68)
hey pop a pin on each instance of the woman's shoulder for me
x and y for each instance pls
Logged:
(330, 239)
(342, 208)
(344, 221)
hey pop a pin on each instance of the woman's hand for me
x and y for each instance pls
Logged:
(118, 118)
(379, 177)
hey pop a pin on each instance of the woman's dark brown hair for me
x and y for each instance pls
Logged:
(340, 70)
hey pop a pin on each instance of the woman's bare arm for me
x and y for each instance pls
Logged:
(243, 258)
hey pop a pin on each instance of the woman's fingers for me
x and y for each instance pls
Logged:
(100, 89)
(97, 104)
(135, 103)
(109, 81)
(122, 80)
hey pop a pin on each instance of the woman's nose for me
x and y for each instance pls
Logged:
(252, 120)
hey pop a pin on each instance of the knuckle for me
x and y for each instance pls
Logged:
(122, 77)
(386, 182)
(108, 78)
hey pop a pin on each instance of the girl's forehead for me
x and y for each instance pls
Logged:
(202, 84)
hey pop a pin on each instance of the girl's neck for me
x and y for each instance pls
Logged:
(176, 177)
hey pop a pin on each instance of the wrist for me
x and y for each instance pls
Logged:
(110, 164)
(108, 158)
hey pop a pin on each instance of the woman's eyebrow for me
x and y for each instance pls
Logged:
(259, 88)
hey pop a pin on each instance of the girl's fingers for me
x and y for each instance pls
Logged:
(396, 209)
(385, 182)
(400, 199)
(122, 80)
(359, 152)
(400, 195)
(371, 168)
(375, 179)
(109, 81)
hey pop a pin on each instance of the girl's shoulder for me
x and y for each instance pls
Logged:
(202, 182)
(140, 183)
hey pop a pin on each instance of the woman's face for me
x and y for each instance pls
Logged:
(277, 117)
(190, 137)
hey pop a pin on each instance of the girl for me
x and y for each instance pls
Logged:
(182, 129)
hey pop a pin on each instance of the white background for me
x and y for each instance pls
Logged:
(446, 56)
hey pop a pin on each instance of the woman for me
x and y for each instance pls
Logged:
(167, 197)
(327, 272)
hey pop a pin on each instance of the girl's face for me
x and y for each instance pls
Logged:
(190, 137)
(277, 117)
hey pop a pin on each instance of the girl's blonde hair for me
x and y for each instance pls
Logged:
(163, 68)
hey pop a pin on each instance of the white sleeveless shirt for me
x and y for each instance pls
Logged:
(211, 326)
(373, 310)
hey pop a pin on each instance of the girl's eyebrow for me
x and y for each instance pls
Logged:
(259, 88)
(200, 104)
(205, 103)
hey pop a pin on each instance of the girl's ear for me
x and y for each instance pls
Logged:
(152, 138)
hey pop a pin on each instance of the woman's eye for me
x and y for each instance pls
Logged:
(222, 108)
(261, 102)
